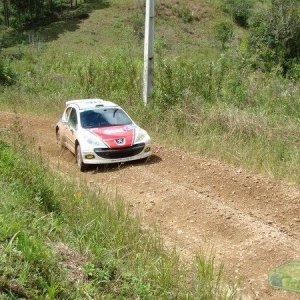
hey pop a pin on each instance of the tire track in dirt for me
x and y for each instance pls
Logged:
(252, 222)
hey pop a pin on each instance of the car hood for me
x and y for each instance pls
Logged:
(116, 136)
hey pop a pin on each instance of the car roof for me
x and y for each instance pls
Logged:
(91, 103)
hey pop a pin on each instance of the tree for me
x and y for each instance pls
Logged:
(72, 3)
(20, 13)
(275, 33)
(27, 10)
(6, 12)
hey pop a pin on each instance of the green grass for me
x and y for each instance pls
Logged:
(61, 240)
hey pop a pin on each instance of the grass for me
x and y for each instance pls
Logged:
(61, 240)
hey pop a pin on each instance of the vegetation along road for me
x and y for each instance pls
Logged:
(250, 222)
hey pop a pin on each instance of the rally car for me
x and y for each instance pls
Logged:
(101, 132)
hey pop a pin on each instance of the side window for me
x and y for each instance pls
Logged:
(73, 118)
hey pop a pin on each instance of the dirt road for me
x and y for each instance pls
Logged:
(252, 222)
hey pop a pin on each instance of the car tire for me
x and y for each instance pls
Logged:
(79, 161)
(59, 139)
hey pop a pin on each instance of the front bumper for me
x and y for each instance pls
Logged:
(107, 155)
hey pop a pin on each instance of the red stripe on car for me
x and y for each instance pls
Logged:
(116, 137)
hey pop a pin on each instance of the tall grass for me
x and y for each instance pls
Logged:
(209, 279)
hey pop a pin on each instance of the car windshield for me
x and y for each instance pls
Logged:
(104, 117)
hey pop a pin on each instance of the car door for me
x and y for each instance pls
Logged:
(63, 125)
(71, 130)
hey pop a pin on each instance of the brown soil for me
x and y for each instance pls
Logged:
(251, 222)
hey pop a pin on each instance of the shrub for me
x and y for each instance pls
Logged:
(223, 32)
(7, 75)
(185, 14)
(275, 34)
(240, 10)
(294, 70)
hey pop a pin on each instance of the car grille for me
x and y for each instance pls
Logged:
(120, 153)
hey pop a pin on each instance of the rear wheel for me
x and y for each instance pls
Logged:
(79, 160)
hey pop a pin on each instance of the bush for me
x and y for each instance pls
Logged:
(223, 32)
(275, 34)
(10, 37)
(240, 10)
(294, 70)
(7, 75)
(185, 14)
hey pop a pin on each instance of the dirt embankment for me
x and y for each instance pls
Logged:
(251, 222)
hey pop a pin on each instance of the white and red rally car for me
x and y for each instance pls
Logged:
(101, 132)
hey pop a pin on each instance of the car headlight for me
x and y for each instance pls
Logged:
(142, 134)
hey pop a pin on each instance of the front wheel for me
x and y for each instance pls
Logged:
(79, 160)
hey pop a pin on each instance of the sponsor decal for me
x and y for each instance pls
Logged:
(116, 137)
(117, 130)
